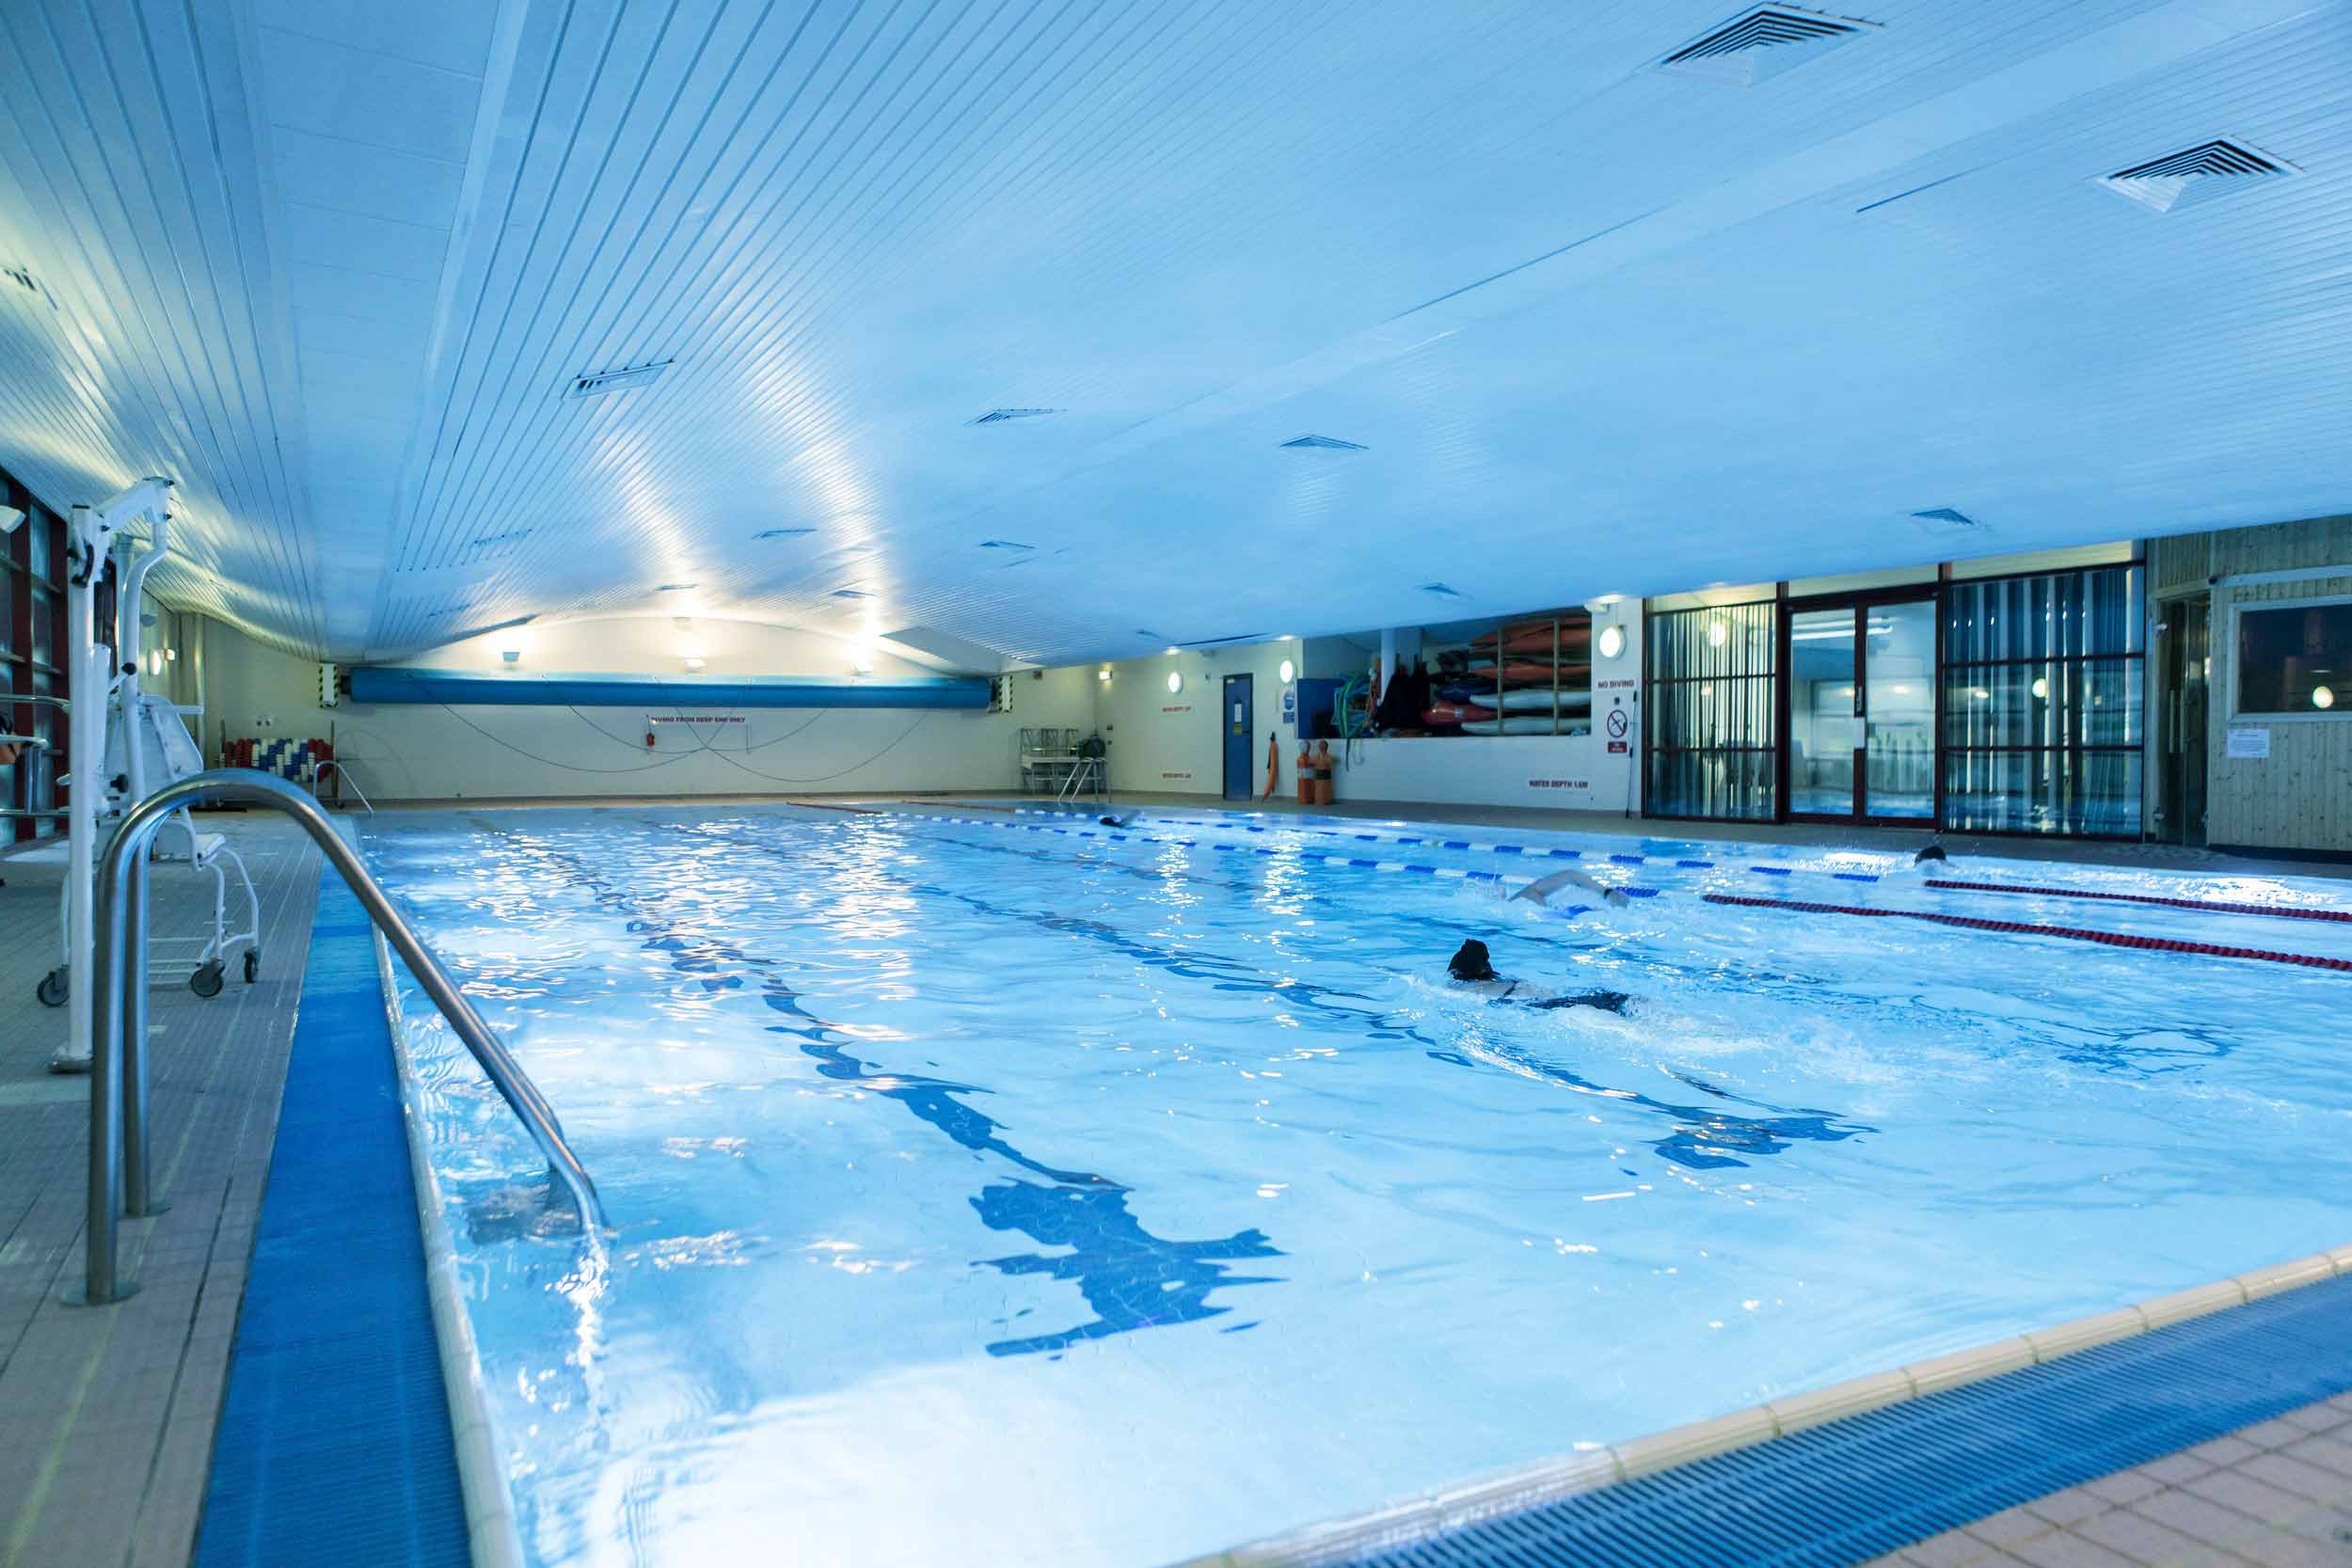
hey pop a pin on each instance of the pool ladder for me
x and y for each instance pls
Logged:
(118, 1175)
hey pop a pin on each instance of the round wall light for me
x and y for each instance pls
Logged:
(1611, 641)
(1290, 673)
(1175, 682)
(2042, 687)
(2323, 696)
(1717, 634)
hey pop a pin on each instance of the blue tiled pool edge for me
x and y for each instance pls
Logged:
(335, 1441)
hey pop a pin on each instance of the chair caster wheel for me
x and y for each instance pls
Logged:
(205, 982)
(52, 990)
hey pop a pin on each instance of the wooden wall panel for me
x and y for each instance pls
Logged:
(2301, 796)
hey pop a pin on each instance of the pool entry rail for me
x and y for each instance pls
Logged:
(118, 1175)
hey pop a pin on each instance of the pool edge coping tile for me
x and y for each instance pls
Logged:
(493, 1534)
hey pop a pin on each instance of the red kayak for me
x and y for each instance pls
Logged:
(1536, 637)
(1455, 713)
(1527, 672)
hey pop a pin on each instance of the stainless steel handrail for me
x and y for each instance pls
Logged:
(118, 1181)
(318, 772)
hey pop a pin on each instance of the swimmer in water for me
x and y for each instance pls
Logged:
(1541, 889)
(1472, 969)
(1931, 856)
(1125, 821)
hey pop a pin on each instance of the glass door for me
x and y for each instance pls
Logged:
(1898, 711)
(1861, 741)
(1824, 713)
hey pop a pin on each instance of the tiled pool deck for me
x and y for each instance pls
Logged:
(2273, 1495)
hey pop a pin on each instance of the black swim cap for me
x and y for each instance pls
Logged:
(1470, 963)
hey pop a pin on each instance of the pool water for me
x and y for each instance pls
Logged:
(1013, 1191)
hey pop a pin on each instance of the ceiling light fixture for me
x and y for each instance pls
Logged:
(1175, 682)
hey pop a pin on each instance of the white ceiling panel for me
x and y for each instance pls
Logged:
(1597, 326)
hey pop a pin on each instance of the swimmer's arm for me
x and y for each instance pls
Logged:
(1544, 887)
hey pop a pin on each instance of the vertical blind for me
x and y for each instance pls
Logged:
(1712, 740)
(2042, 696)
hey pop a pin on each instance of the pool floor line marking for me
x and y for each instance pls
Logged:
(1381, 1533)
(1467, 846)
(2026, 929)
(2207, 906)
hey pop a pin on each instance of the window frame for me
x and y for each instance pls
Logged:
(2233, 713)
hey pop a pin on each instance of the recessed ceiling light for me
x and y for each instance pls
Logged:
(1172, 652)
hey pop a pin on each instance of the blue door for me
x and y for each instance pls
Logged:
(1240, 756)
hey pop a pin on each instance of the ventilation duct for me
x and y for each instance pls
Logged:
(2194, 174)
(378, 683)
(1760, 43)
(628, 378)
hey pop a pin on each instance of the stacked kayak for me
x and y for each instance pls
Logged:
(1529, 678)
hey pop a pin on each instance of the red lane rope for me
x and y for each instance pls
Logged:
(2019, 928)
(2209, 905)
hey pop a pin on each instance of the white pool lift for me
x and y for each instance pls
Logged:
(143, 742)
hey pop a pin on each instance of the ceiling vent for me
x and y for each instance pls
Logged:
(781, 533)
(1005, 544)
(628, 378)
(2195, 174)
(1442, 590)
(1944, 519)
(1323, 443)
(1005, 415)
(1760, 43)
(493, 544)
(675, 587)
(1221, 641)
(851, 593)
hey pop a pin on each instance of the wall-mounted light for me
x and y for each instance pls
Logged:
(2323, 696)
(1289, 672)
(1718, 633)
(1173, 652)
(694, 666)
(154, 661)
(1612, 640)
(1104, 674)
(1175, 682)
(2042, 687)
(172, 655)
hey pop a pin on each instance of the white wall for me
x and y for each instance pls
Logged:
(432, 752)
(1174, 743)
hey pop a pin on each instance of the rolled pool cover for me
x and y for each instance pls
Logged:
(392, 683)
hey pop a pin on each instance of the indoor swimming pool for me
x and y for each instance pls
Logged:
(995, 1187)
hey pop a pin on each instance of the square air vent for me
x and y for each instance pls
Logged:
(1005, 415)
(1761, 42)
(1944, 519)
(1323, 443)
(781, 533)
(628, 378)
(1440, 590)
(2195, 174)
